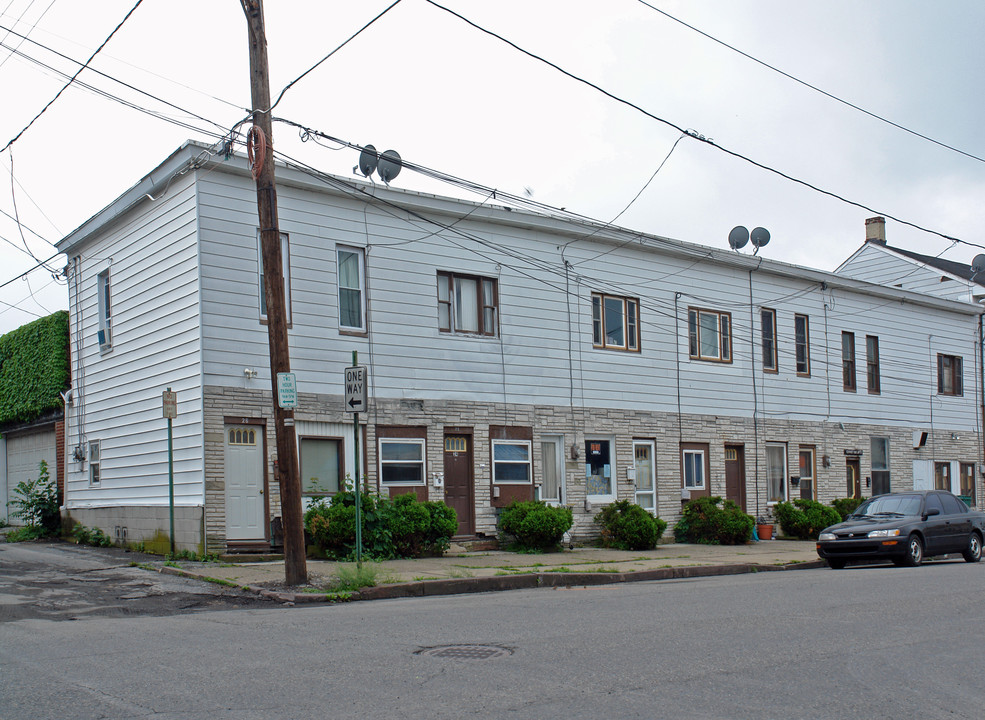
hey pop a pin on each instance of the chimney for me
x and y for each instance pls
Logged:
(875, 230)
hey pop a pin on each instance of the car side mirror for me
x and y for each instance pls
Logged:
(931, 511)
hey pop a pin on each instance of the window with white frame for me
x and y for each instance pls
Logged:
(321, 465)
(776, 471)
(709, 335)
(615, 322)
(352, 300)
(94, 463)
(285, 261)
(511, 461)
(802, 344)
(402, 461)
(105, 309)
(694, 469)
(467, 304)
(767, 319)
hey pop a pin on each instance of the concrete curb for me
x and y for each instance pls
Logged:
(499, 583)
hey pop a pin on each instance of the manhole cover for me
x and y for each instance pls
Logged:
(466, 652)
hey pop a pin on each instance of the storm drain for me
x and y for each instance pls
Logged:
(466, 652)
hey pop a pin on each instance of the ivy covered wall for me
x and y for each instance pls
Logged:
(33, 369)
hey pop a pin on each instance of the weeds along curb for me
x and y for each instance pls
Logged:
(499, 583)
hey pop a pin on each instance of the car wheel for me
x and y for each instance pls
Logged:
(973, 551)
(914, 551)
(836, 564)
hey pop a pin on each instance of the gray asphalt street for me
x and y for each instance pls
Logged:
(862, 642)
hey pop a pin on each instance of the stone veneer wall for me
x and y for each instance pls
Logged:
(149, 524)
(829, 439)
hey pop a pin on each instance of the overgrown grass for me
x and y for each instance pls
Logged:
(352, 577)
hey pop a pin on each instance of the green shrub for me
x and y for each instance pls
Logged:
(534, 525)
(710, 521)
(401, 527)
(36, 503)
(846, 506)
(629, 527)
(804, 519)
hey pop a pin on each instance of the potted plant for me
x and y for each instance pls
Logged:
(764, 528)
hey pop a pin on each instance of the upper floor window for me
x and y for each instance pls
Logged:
(352, 300)
(285, 261)
(848, 361)
(467, 304)
(872, 363)
(615, 322)
(802, 341)
(709, 335)
(104, 333)
(768, 321)
(949, 375)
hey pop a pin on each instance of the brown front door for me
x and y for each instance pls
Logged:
(853, 469)
(459, 488)
(735, 475)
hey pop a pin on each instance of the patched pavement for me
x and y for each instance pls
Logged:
(63, 581)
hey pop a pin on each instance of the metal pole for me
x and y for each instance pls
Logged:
(171, 481)
(355, 447)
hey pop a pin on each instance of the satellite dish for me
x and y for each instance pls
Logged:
(738, 237)
(760, 237)
(389, 166)
(368, 160)
(978, 264)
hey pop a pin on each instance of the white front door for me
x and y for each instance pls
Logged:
(646, 486)
(552, 469)
(245, 507)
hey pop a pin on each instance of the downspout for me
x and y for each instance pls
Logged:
(752, 371)
(677, 359)
(980, 390)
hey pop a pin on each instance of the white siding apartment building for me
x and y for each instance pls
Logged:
(510, 355)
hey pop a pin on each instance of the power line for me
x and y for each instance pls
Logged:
(695, 136)
(787, 75)
(84, 66)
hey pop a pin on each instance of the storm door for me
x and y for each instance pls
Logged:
(646, 475)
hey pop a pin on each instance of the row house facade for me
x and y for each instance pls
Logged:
(510, 355)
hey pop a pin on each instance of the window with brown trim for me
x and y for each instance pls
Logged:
(872, 364)
(848, 380)
(709, 335)
(615, 322)
(950, 380)
(467, 304)
(768, 321)
(802, 343)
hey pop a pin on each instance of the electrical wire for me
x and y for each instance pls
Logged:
(832, 96)
(695, 136)
(84, 66)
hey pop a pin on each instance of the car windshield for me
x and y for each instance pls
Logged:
(889, 506)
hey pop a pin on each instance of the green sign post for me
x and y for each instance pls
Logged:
(170, 402)
(355, 402)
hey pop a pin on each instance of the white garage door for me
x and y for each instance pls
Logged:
(24, 454)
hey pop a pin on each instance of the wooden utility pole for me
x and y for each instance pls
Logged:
(288, 475)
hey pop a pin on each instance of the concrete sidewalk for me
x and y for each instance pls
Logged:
(459, 571)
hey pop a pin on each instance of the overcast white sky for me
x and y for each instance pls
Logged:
(450, 97)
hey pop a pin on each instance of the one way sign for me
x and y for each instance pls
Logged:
(355, 389)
